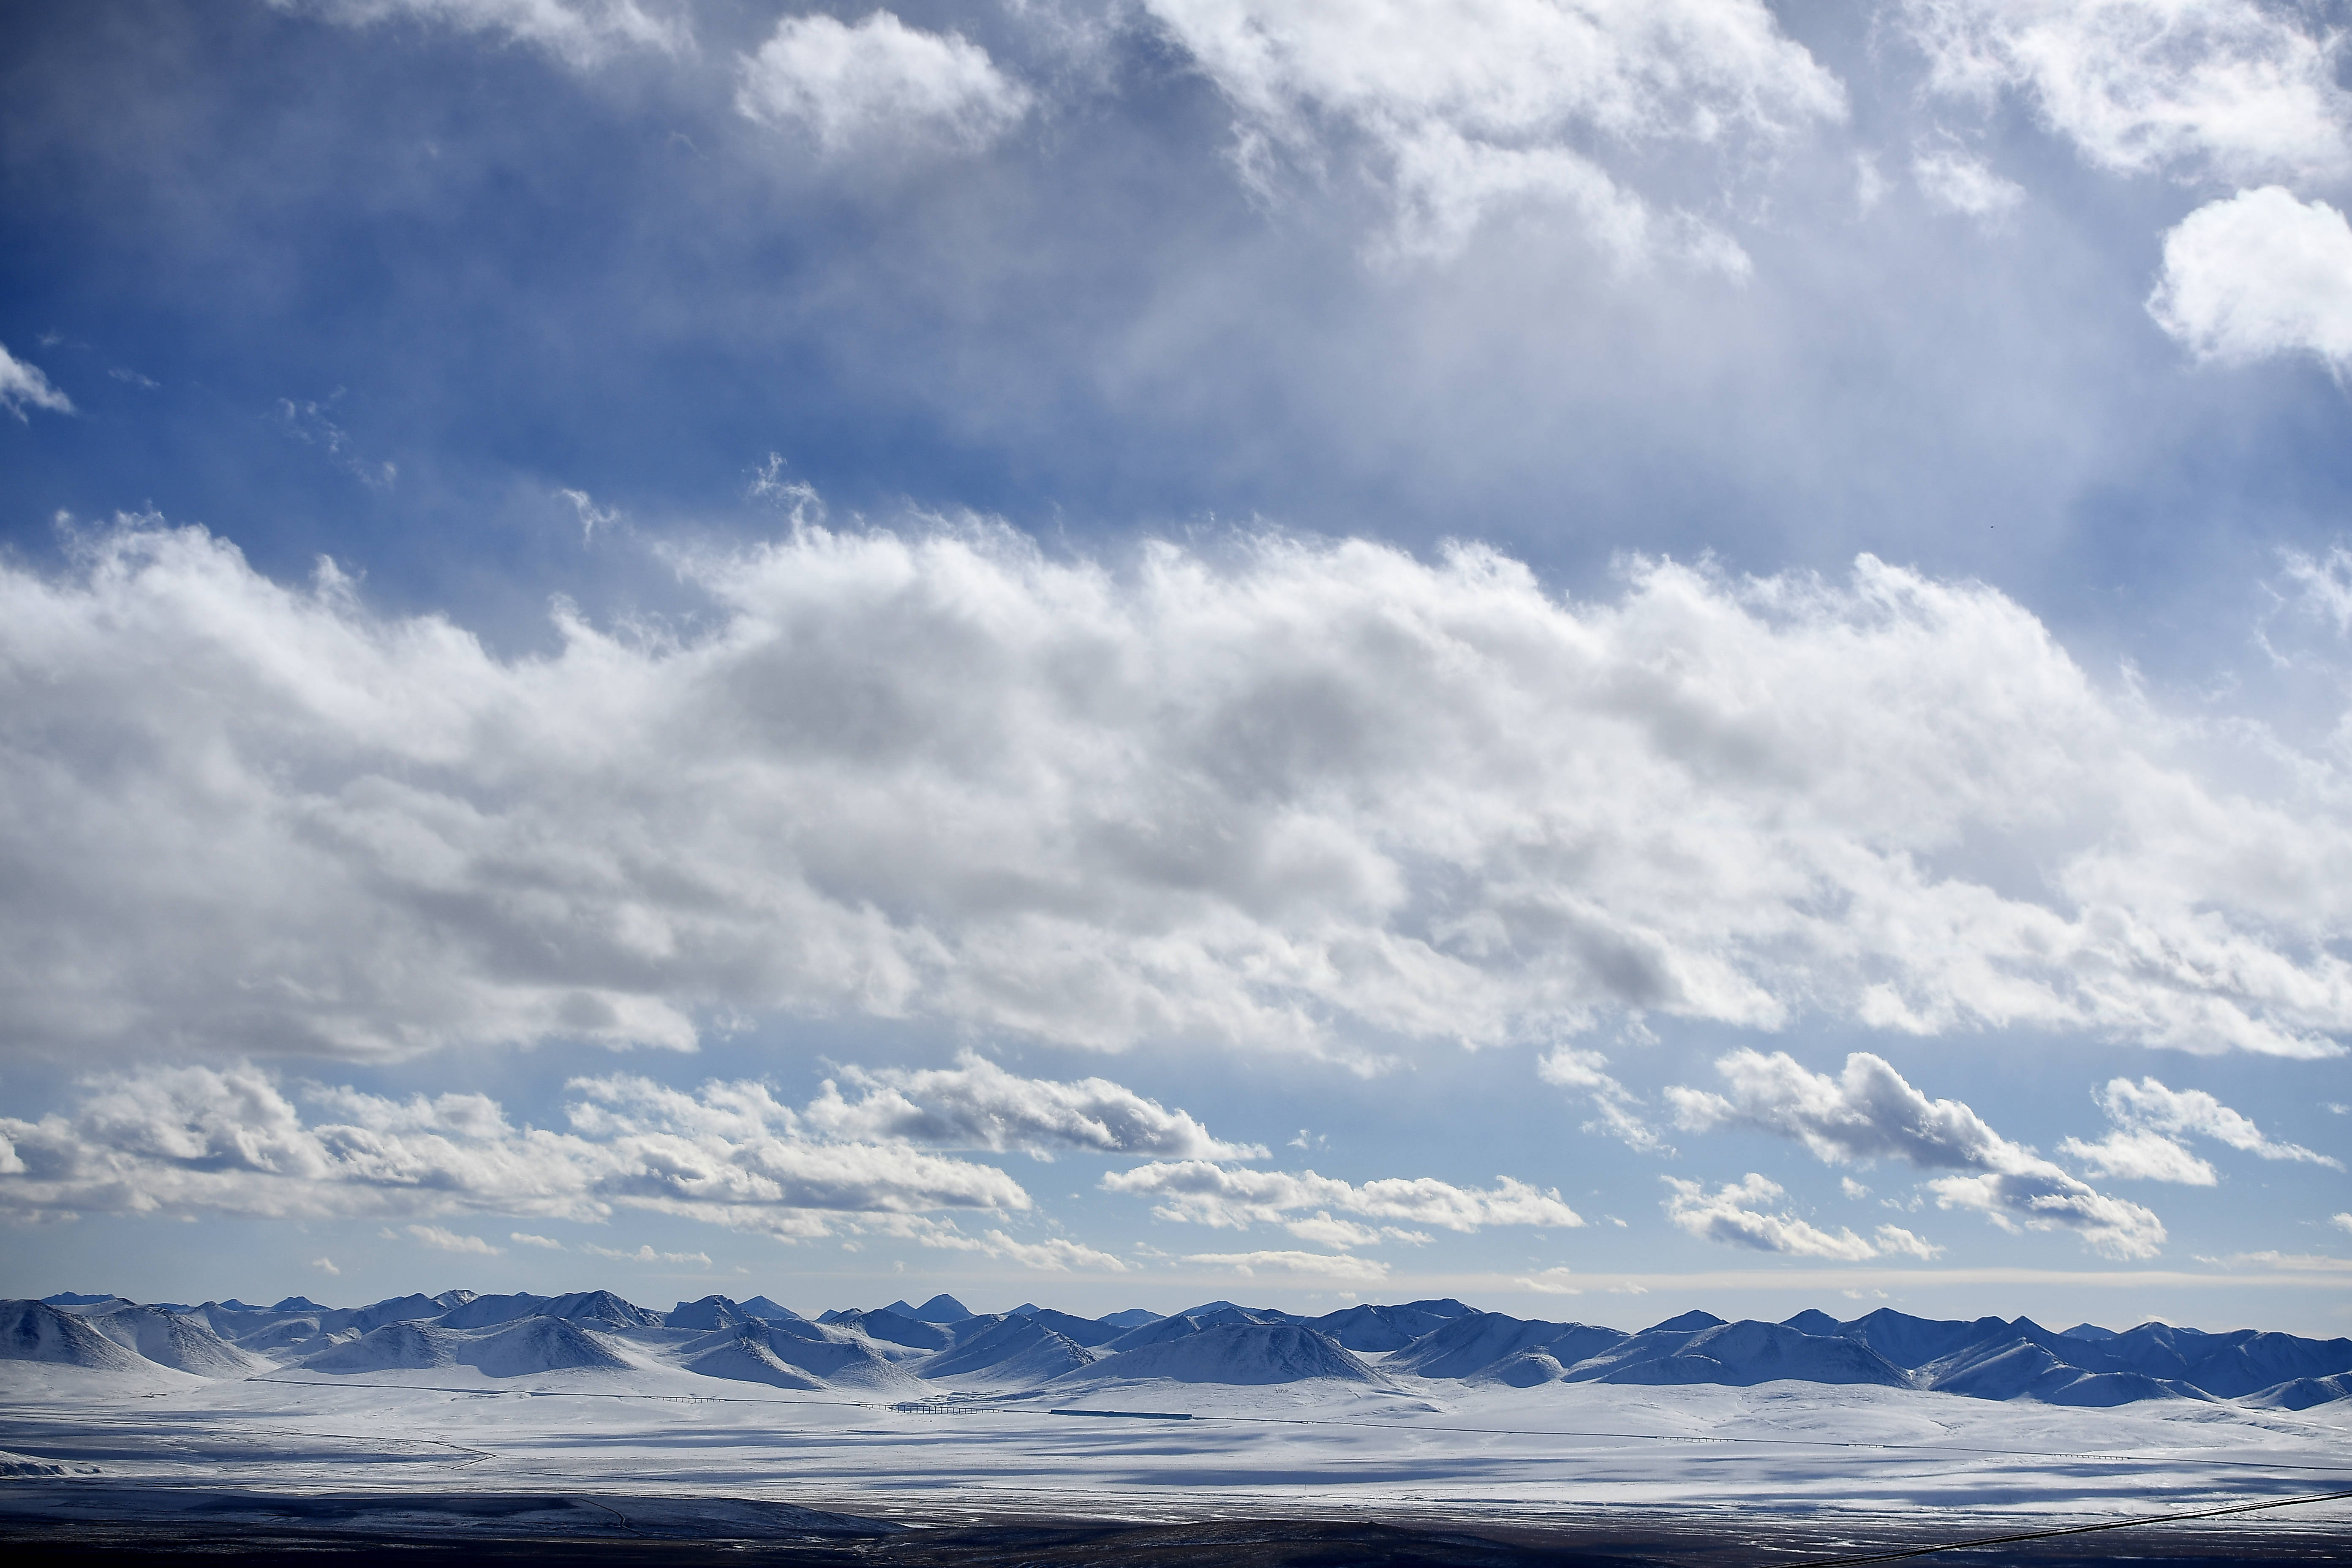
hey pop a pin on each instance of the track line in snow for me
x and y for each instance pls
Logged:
(2069, 1530)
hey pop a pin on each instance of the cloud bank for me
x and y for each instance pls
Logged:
(1869, 1112)
(1287, 797)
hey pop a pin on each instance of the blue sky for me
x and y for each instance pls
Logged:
(1604, 657)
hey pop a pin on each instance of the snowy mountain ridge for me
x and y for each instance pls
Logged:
(902, 1352)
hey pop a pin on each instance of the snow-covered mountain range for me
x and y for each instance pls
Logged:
(902, 1352)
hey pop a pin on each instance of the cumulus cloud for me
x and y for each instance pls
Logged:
(1465, 107)
(1289, 796)
(201, 1141)
(977, 1104)
(2238, 88)
(1734, 1214)
(1205, 1194)
(2260, 274)
(1305, 1264)
(578, 32)
(880, 85)
(1585, 1070)
(1870, 1113)
(2151, 1119)
(2341, 1221)
(525, 1238)
(23, 386)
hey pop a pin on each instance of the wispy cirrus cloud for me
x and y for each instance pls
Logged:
(1339, 1267)
(581, 33)
(1612, 1101)
(441, 1239)
(23, 386)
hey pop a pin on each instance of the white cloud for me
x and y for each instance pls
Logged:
(1325, 1231)
(879, 84)
(2322, 588)
(2151, 1119)
(325, 1265)
(1289, 798)
(2341, 1221)
(1205, 1193)
(1962, 182)
(524, 1239)
(2259, 274)
(1573, 1069)
(1735, 1216)
(1554, 1282)
(977, 1104)
(1870, 1113)
(2236, 88)
(1308, 1265)
(23, 385)
(2298, 1262)
(2148, 1105)
(1465, 107)
(1852, 1189)
(578, 32)
(1056, 1255)
(2140, 1157)
(198, 1141)
(592, 516)
(644, 1254)
(441, 1240)
(1893, 1239)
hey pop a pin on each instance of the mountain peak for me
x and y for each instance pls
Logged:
(940, 1309)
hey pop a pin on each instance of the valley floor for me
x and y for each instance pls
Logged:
(1789, 1468)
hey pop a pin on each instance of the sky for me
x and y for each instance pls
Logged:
(1600, 656)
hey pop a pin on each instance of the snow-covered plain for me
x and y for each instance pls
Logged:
(1293, 1424)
